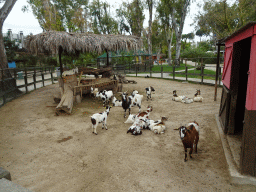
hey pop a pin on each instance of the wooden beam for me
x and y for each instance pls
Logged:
(217, 71)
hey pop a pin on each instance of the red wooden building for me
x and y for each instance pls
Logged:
(238, 103)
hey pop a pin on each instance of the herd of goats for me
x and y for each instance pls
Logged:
(189, 135)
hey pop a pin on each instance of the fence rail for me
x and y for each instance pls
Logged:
(19, 80)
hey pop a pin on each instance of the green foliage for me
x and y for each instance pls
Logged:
(10, 49)
(223, 19)
(195, 52)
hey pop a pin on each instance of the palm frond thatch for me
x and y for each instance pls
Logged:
(51, 41)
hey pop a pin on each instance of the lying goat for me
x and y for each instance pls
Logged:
(189, 137)
(116, 103)
(156, 126)
(70, 72)
(198, 97)
(177, 98)
(135, 129)
(149, 90)
(187, 100)
(143, 115)
(100, 118)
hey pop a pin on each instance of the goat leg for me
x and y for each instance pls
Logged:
(190, 152)
(186, 158)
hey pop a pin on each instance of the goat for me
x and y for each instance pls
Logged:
(136, 100)
(198, 97)
(189, 137)
(100, 118)
(156, 126)
(130, 119)
(94, 91)
(105, 96)
(126, 103)
(177, 98)
(135, 129)
(148, 92)
(187, 100)
(117, 103)
(70, 72)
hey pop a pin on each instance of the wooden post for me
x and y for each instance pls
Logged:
(186, 71)
(173, 71)
(217, 69)
(107, 59)
(161, 70)
(26, 80)
(4, 98)
(61, 68)
(51, 68)
(34, 78)
(136, 69)
(42, 73)
(202, 71)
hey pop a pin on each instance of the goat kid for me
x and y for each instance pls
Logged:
(198, 97)
(189, 137)
(116, 103)
(100, 118)
(126, 103)
(149, 90)
(136, 100)
(177, 98)
(156, 126)
(135, 129)
(105, 96)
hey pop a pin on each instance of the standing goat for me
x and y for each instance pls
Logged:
(149, 90)
(189, 137)
(100, 118)
(126, 103)
(136, 100)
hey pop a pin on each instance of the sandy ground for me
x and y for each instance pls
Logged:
(34, 149)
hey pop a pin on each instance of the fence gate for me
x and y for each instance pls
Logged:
(224, 108)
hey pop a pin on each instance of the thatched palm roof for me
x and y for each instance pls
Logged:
(79, 42)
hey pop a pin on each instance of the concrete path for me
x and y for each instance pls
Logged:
(167, 76)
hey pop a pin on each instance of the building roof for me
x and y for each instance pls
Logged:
(51, 41)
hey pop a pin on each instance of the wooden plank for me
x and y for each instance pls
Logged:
(248, 150)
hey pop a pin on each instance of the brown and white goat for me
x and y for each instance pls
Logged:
(189, 136)
(198, 97)
(176, 97)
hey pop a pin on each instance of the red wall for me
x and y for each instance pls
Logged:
(227, 66)
(251, 87)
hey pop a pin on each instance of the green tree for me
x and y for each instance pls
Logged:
(4, 12)
(102, 22)
(10, 48)
(178, 13)
(163, 15)
(133, 13)
(223, 19)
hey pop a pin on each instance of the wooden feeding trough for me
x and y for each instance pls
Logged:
(72, 89)
(85, 85)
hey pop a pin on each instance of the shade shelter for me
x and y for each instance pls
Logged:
(238, 102)
(58, 42)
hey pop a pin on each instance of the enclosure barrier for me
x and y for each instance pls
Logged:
(16, 81)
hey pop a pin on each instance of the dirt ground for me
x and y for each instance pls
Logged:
(35, 151)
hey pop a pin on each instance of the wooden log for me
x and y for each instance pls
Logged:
(66, 103)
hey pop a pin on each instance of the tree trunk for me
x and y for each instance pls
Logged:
(178, 27)
(150, 7)
(170, 49)
(4, 12)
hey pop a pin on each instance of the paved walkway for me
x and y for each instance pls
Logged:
(167, 76)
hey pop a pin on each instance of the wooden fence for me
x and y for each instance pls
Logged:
(193, 69)
(21, 79)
